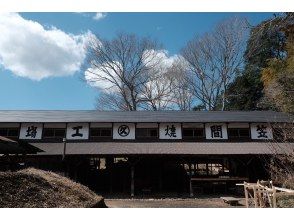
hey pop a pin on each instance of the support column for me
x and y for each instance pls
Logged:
(109, 167)
(132, 181)
(190, 181)
(160, 177)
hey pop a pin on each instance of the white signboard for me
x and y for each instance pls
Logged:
(216, 131)
(261, 131)
(170, 131)
(32, 131)
(76, 131)
(124, 131)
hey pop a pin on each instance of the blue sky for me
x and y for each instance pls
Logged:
(68, 90)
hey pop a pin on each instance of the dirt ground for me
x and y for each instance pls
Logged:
(211, 202)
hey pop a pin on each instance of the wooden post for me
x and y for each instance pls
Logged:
(246, 195)
(270, 199)
(132, 181)
(63, 157)
(260, 198)
(274, 198)
(64, 148)
(109, 167)
(260, 189)
(160, 177)
(255, 197)
(190, 181)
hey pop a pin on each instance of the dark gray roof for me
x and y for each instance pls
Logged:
(9, 146)
(165, 148)
(142, 116)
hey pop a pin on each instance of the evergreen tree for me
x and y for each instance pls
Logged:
(278, 76)
(246, 91)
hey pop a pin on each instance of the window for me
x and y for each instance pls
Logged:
(207, 169)
(238, 133)
(193, 133)
(53, 133)
(100, 133)
(9, 132)
(215, 169)
(200, 169)
(147, 133)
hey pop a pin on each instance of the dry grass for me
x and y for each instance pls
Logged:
(285, 200)
(38, 188)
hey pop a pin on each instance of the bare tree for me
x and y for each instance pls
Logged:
(169, 89)
(158, 93)
(182, 97)
(111, 101)
(202, 75)
(281, 163)
(123, 67)
(214, 59)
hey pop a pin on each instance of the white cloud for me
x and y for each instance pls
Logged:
(99, 16)
(29, 50)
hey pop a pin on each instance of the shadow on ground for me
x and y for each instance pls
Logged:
(169, 201)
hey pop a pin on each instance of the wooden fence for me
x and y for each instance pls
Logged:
(263, 194)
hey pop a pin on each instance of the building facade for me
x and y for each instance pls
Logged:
(150, 151)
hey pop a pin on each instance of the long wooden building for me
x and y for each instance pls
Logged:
(148, 152)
